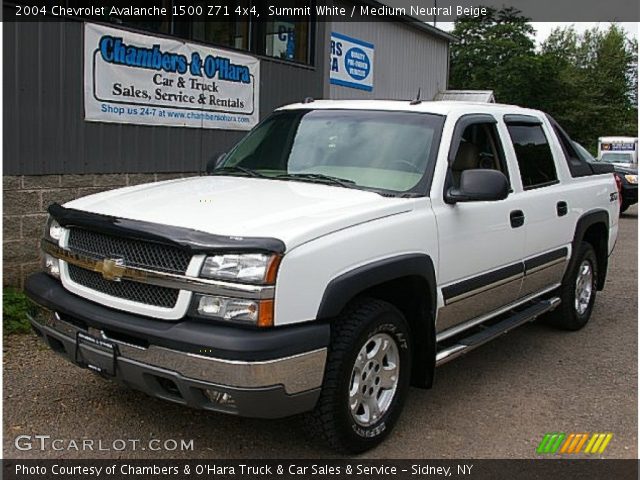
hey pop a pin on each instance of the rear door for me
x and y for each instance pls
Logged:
(545, 202)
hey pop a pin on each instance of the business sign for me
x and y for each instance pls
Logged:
(351, 62)
(135, 78)
(619, 147)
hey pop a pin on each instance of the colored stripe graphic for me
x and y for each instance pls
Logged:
(543, 444)
(568, 442)
(550, 443)
(598, 443)
(573, 443)
(581, 443)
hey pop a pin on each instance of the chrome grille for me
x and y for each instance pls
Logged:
(135, 253)
(134, 291)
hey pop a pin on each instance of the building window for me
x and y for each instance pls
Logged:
(234, 34)
(160, 26)
(285, 39)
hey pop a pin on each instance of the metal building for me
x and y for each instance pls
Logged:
(408, 55)
(90, 104)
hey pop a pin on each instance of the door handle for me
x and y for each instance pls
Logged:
(517, 218)
(562, 209)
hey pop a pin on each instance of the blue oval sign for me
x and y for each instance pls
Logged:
(357, 63)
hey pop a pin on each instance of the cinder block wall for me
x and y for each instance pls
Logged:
(26, 198)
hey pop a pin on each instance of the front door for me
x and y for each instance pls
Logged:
(481, 243)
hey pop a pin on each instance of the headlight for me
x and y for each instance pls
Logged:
(254, 312)
(246, 267)
(631, 178)
(52, 230)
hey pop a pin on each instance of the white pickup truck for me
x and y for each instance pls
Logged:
(336, 256)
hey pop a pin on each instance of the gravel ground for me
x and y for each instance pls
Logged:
(496, 402)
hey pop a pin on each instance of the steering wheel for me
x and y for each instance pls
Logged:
(406, 163)
(486, 161)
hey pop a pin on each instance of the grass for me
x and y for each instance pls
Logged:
(14, 308)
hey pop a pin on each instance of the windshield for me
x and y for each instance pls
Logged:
(375, 150)
(617, 158)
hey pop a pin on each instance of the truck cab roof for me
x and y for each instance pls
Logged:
(433, 107)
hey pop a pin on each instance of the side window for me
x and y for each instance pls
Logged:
(535, 160)
(577, 163)
(567, 147)
(479, 147)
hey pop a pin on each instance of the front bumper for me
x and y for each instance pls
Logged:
(245, 372)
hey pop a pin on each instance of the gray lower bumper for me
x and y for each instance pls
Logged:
(266, 389)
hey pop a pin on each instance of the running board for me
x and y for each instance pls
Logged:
(466, 344)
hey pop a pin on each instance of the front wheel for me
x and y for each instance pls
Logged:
(578, 291)
(366, 378)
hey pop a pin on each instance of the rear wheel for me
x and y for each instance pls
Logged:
(366, 378)
(578, 291)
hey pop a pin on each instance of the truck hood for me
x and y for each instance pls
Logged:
(294, 212)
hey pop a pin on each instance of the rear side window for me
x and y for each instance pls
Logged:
(577, 163)
(535, 160)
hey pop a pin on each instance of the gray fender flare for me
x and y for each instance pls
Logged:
(342, 289)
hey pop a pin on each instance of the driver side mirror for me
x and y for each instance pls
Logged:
(215, 162)
(478, 185)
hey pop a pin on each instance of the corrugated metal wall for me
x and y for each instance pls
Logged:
(44, 127)
(405, 59)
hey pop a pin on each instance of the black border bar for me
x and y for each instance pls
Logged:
(407, 11)
(549, 466)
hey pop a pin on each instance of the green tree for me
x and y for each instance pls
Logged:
(587, 82)
(598, 82)
(495, 52)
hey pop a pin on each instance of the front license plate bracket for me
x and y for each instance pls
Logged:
(96, 354)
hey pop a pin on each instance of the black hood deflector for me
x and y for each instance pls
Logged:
(194, 241)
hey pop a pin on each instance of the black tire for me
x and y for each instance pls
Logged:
(332, 419)
(567, 316)
(624, 207)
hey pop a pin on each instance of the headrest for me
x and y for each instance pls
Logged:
(468, 157)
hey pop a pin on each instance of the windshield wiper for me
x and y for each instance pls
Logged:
(318, 177)
(309, 177)
(237, 169)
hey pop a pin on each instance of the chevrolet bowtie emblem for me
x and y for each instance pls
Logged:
(111, 268)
